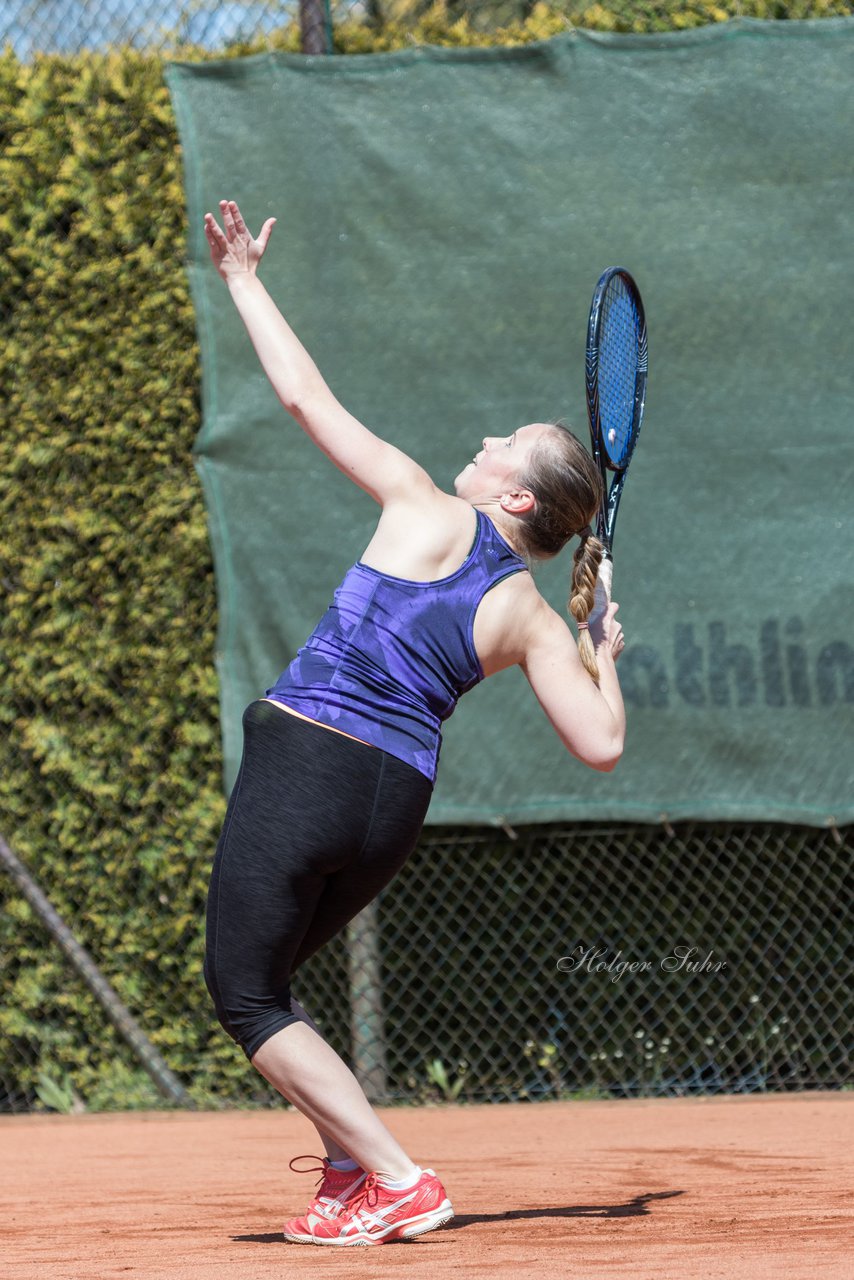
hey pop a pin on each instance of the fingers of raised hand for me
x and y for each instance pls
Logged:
(264, 233)
(233, 219)
(239, 224)
(226, 208)
(214, 235)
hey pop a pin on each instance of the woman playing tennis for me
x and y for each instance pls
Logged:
(339, 758)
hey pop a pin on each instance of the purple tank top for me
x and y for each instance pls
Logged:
(390, 658)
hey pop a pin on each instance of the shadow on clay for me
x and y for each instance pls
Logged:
(637, 1207)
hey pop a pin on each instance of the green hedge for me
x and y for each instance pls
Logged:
(110, 785)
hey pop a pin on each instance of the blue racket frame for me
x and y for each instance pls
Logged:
(616, 369)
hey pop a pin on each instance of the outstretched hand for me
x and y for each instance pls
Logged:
(233, 251)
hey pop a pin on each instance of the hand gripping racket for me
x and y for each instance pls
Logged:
(615, 374)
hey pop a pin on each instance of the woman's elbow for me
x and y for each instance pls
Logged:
(604, 756)
(606, 765)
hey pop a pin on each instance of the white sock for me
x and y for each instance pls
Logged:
(404, 1183)
(344, 1166)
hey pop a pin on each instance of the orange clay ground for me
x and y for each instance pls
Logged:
(717, 1188)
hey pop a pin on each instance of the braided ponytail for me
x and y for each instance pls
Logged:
(568, 489)
(585, 569)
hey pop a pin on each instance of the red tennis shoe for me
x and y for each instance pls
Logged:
(378, 1214)
(335, 1189)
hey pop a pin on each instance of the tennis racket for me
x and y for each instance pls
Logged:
(615, 374)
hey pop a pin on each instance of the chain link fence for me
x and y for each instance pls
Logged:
(70, 26)
(628, 961)
(558, 962)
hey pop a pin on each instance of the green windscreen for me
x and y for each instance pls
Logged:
(443, 216)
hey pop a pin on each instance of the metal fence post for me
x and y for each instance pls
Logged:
(367, 1029)
(313, 20)
(126, 1025)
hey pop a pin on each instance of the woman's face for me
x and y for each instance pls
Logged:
(500, 464)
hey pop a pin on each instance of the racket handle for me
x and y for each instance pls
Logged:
(602, 597)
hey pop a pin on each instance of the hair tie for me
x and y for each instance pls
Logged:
(584, 534)
(583, 626)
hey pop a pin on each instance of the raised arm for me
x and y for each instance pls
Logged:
(590, 721)
(379, 468)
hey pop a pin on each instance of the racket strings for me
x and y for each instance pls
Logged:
(619, 363)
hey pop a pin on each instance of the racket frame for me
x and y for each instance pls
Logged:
(607, 516)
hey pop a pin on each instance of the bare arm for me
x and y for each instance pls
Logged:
(590, 722)
(379, 468)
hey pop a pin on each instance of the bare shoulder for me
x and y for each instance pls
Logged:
(423, 534)
(511, 619)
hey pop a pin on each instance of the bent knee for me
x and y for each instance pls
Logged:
(249, 1018)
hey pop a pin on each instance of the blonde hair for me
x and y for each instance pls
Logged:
(585, 568)
(568, 488)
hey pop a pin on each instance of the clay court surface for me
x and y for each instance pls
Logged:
(665, 1189)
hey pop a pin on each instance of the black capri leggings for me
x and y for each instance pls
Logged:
(317, 824)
